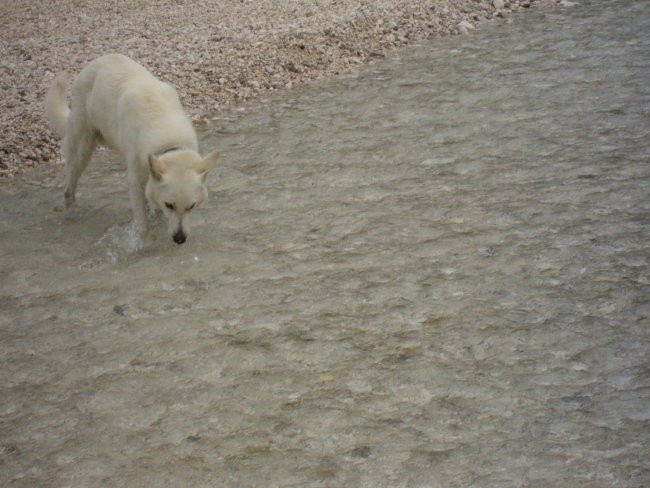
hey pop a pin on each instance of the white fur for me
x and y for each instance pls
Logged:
(117, 102)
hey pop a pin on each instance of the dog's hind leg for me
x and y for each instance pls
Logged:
(78, 146)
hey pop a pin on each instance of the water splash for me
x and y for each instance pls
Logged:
(120, 241)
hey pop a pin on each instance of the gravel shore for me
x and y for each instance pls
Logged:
(215, 52)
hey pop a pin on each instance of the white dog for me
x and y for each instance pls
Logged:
(117, 102)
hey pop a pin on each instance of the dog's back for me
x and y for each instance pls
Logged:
(130, 108)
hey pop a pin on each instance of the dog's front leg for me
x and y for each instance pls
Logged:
(138, 203)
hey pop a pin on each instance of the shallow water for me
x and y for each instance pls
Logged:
(432, 274)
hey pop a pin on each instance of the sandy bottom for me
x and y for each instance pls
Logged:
(432, 274)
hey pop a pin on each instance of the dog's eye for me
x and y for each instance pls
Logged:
(191, 207)
(170, 206)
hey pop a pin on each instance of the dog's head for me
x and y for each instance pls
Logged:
(176, 186)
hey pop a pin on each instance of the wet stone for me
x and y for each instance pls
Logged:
(362, 452)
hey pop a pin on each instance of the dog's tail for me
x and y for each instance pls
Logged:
(56, 107)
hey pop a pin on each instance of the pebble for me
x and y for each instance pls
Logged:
(465, 27)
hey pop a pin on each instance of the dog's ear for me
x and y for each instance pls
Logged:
(207, 163)
(156, 167)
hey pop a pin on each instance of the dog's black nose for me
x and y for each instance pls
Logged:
(179, 237)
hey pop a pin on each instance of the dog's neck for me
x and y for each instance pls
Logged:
(168, 150)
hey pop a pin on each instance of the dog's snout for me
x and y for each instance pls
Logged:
(179, 237)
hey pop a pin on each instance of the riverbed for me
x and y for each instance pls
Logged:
(433, 273)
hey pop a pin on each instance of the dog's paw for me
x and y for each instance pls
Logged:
(68, 196)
